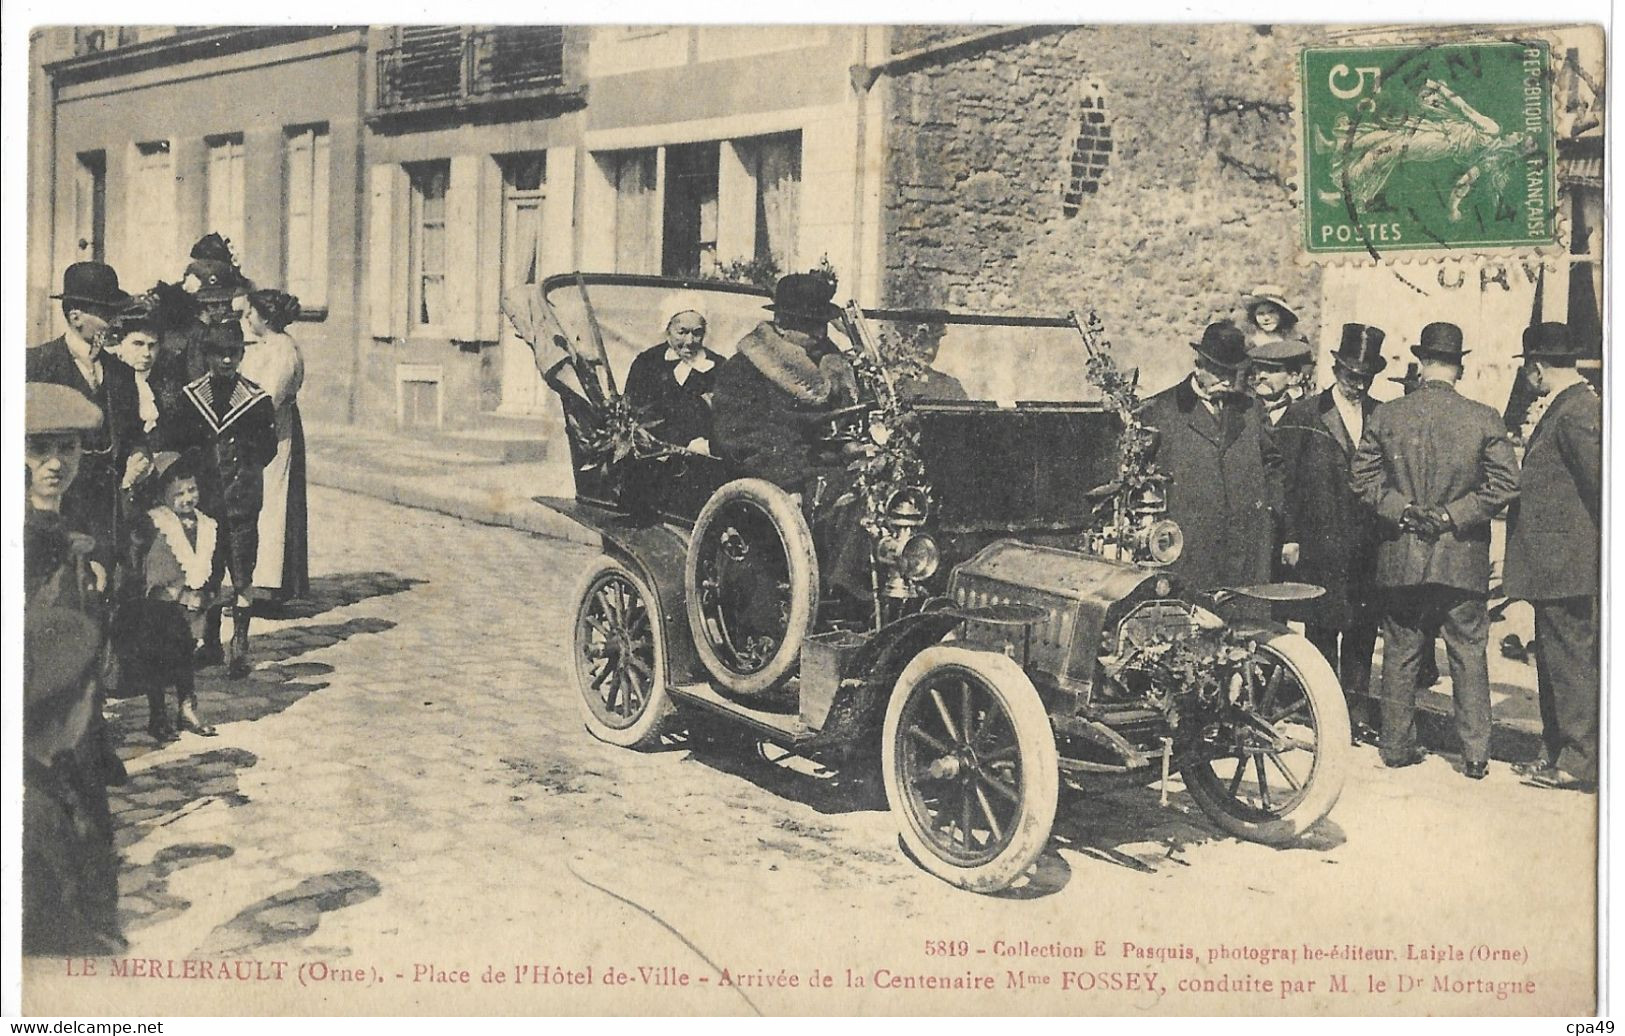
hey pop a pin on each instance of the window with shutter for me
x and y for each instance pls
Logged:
(429, 182)
(305, 217)
(151, 247)
(223, 189)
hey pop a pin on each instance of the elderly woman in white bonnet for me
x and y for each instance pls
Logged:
(671, 381)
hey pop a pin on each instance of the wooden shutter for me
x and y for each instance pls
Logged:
(462, 248)
(558, 212)
(386, 304)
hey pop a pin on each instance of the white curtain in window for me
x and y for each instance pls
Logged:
(637, 237)
(224, 189)
(778, 198)
(305, 262)
(152, 247)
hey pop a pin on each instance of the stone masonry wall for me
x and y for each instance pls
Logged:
(1146, 171)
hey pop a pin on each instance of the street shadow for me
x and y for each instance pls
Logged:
(283, 644)
(338, 591)
(144, 896)
(851, 787)
(288, 915)
(157, 795)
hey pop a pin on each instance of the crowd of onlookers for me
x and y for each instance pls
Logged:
(165, 502)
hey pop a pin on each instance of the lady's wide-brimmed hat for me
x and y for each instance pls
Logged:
(1360, 351)
(805, 295)
(94, 283)
(1440, 341)
(1222, 345)
(1274, 295)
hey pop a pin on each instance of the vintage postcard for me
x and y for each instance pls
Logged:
(811, 520)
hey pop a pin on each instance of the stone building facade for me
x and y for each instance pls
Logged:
(1142, 170)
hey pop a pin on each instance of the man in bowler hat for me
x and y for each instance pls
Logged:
(1552, 555)
(1436, 467)
(1224, 468)
(116, 454)
(1273, 368)
(1333, 534)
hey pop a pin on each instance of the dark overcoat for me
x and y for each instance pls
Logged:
(1336, 533)
(1435, 448)
(1225, 485)
(236, 437)
(768, 400)
(1553, 531)
(683, 410)
(90, 503)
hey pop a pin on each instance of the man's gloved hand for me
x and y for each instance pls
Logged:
(1420, 521)
(1290, 553)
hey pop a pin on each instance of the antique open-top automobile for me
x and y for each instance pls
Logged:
(1026, 624)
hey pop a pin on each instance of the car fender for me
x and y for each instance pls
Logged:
(656, 551)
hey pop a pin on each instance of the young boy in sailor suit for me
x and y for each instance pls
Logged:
(231, 424)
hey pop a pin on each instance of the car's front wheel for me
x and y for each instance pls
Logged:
(970, 767)
(1277, 769)
(620, 657)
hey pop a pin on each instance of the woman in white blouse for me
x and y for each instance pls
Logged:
(272, 362)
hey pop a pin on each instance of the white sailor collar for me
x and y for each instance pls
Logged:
(244, 394)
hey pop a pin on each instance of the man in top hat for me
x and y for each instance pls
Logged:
(1274, 367)
(231, 422)
(1436, 467)
(70, 869)
(1331, 533)
(1225, 486)
(116, 453)
(772, 397)
(1552, 554)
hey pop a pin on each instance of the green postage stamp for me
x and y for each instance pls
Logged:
(1443, 147)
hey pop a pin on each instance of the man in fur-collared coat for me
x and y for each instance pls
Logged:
(770, 399)
(1225, 472)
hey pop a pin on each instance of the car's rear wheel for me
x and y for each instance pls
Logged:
(970, 767)
(751, 580)
(1277, 770)
(620, 657)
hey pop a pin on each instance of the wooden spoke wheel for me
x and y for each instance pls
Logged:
(970, 767)
(1277, 767)
(751, 581)
(620, 657)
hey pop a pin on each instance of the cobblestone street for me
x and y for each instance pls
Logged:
(403, 788)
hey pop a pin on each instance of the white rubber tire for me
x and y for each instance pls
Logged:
(644, 728)
(1039, 767)
(802, 570)
(1333, 753)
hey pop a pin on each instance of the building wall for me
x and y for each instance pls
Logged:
(258, 93)
(1191, 201)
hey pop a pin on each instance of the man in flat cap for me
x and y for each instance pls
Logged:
(1225, 471)
(1274, 367)
(1552, 555)
(1436, 467)
(231, 423)
(70, 869)
(1332, 534)
(116, 453)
